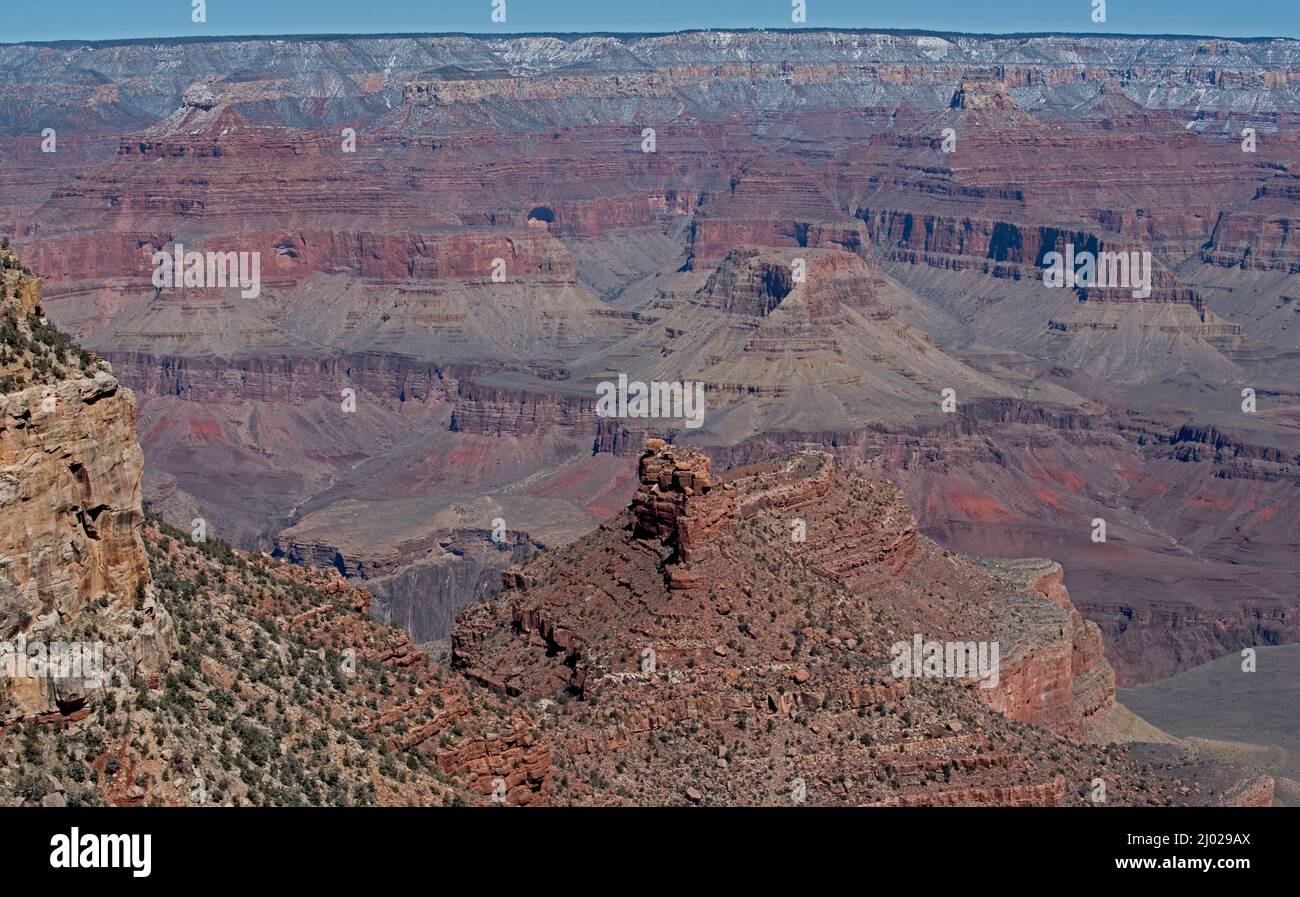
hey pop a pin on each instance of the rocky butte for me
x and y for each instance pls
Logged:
(726, 642)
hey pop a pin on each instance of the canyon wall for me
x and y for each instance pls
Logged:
(70, 507)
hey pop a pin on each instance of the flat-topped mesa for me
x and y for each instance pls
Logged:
(981, 93)
(982, 104)
(679, 504)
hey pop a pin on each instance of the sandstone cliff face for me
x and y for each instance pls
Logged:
(1059, 676)
(975, 482)
(70, 507)
(71, 499)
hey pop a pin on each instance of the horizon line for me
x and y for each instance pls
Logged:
(222, 38)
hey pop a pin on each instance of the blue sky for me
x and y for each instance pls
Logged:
(108, 19)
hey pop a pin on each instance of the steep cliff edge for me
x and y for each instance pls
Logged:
(72, 561)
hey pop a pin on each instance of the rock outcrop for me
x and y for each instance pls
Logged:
(70, 507)
(730, 639)
(676, 504)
